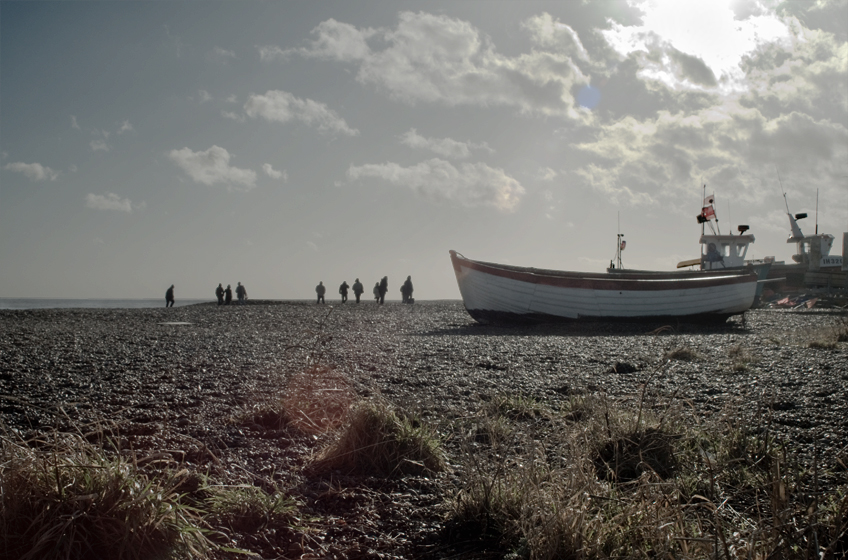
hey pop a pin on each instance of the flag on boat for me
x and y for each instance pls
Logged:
(623, 244)
(708, 213)
(710, 200)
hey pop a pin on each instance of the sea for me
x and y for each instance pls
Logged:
(48, 303)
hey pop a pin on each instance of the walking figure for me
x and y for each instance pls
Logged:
(406, 290)
(384, 287)
(320, 289)
(357, 289)
(377, 292)
(219, 293)
(241, 293)
(228, 295)
(343, 290)
(169, 297)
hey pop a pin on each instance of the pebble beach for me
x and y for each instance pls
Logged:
(176, 380)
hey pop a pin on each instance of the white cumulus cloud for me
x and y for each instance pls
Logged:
(74, 123)
(125, 127)
(99, 146)
(108, 201)
(438, 59)
(446, 147)
(282, 106)
(273, 173)
(471, 184)
(203, 96)
(33, 171)
(213, 166)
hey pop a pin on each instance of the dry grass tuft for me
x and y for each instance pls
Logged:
(517, 407)
(740, 358)
(247, 508)
(629, 456)
(378, 441)
(683, 353)
(841, 330)
(62, 497)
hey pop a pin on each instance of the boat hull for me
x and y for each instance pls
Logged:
(501, 293)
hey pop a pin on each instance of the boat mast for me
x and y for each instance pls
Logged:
(817, 211)
(618, 245)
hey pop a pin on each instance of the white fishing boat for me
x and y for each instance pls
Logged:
(504, 293)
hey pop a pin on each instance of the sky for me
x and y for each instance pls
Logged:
(279, 144)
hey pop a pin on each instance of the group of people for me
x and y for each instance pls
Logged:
(380, 290)
(225, 297)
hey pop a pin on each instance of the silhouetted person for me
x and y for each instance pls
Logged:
(384, 287)
(241, 293)
(169, 297)
(377, 292)
(320, 290)
(357, 289)
(228, 295)
(406, 290)
(343, 290)
(219, 293)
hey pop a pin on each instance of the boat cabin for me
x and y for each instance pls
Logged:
(724, 251)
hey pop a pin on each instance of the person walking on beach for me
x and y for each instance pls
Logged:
(219, 293)
(241, 293)
(169, 297)
(384, 287)
(406, 290)
(320, 289)
(377, 292)
(228, 295)
(343, 290)
(357, 289)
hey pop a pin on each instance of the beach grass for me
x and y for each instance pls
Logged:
(619, 483)
(63, 497)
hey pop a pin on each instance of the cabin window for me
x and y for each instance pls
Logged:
(725, 249)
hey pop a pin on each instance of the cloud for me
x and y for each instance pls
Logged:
(33, 171)
(99, 145)
(696, 43)
(438, 59)
(273, 173)
(74, 123)
(639, 161)
(446, 147)
(213, 166)
(336, 40)
(472, 184)
(546, 174)
(272, 53)
(232, 99)
(203, 96)
(125, 127)
(234, 116)
(109, 201)
(220, 55)
(282, 106)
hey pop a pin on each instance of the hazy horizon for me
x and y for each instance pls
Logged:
(279, 144)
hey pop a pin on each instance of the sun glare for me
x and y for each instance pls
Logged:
(705, 29)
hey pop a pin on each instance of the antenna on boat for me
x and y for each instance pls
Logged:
(786, 202)
(817, 211)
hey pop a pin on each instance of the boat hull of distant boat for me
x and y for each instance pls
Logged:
(494, 293)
